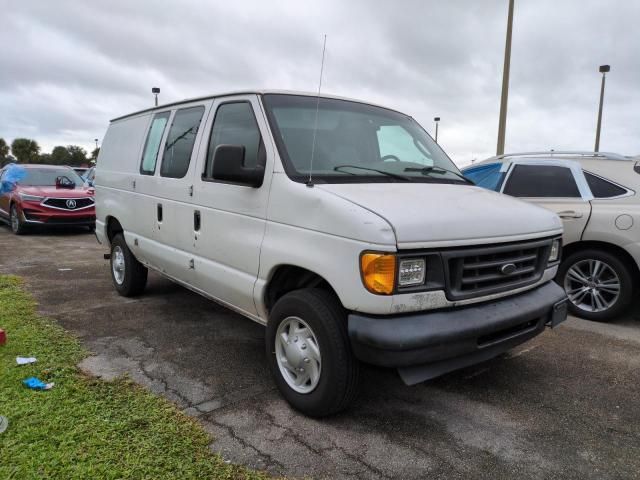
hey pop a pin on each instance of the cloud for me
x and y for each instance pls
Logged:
(68, 67)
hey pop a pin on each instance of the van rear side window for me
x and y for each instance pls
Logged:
(180, 141)
(152, 144)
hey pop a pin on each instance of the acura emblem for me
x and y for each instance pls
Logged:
(508, 268)
(71, 204)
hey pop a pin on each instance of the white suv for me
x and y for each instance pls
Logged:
(339, 225)
(595, 195)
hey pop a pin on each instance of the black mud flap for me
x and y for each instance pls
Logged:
(558, 313)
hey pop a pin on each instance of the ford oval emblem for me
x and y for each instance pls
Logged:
(508, 268)
(71, 204)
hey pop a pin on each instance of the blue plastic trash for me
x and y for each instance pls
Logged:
(36, 384)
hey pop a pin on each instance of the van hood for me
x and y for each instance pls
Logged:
(434, 215)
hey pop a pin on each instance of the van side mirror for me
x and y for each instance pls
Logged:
(228, 166)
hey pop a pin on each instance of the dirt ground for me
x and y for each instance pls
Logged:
(565, 405)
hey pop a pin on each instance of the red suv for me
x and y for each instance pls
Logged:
(47, 195)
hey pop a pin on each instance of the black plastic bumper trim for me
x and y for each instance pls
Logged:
(456, 337)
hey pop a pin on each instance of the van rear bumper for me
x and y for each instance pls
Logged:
(427, 345)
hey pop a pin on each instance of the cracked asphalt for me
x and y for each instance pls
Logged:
(565, 405)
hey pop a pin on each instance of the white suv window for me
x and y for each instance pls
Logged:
(601, 188)
(539, 181)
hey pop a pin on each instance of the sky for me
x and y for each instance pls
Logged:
(68, 67)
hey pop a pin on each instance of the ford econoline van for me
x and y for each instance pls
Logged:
(339, 225)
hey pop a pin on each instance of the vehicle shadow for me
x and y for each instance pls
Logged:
(51, 231)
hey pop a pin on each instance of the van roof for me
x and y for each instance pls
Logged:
(247, 92)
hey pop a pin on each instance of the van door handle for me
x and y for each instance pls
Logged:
(196, 220)
(570, 214)
(159, 212)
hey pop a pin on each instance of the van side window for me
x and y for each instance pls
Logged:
(152, 144)
(235, 124)
(180, 141)
(541, 181)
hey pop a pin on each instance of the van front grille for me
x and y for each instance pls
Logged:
(477, 271)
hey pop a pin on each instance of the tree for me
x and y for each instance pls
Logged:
(94, 154)
(77, 155)
(25, 150)
(4, 150)
(60, 156)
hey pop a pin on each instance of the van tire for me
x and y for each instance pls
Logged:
(339, 376)
(122, 261)
(613, 262)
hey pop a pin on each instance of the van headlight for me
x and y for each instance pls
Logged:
(30, 198)
(556, 248)
(384, 273)
(411, 272)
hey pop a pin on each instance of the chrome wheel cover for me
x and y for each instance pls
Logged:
(592, 285)
(118, 264)
(298, 355)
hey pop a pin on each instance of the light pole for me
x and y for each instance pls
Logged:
(96, 140)
(437, 120)
(603, 69)
(502, 125)
(156, 92)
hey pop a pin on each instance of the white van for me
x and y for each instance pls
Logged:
(339, 225)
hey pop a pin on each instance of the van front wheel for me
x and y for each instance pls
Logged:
(129, 276)
(309, 352)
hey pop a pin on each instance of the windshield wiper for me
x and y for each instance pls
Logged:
(388, 174)
(440, 170)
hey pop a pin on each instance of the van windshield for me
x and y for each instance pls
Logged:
(354, 143)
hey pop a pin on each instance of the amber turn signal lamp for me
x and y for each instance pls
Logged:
(378, 272)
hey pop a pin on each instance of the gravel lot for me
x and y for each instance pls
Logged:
(565, 405)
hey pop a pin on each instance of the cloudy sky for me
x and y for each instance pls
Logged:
(68, 67)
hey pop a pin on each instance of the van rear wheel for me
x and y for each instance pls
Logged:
(129, 276)
(309, 353)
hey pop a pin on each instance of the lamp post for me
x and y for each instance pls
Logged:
(156, 92)
(502, 124)
(437, 120)
(603, 69)
(96, 140)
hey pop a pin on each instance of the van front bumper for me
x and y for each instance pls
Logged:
(429, 344)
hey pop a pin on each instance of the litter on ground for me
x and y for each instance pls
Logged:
(36, 384)
(25, 360)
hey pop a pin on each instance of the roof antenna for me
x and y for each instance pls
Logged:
(315, 128)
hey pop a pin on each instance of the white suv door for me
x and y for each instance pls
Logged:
(558, 185)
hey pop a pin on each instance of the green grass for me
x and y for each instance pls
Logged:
(86, 428)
